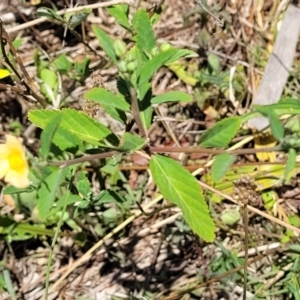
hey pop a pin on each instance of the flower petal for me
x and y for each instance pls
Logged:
(4, 167)
(19, 180)
(13, 143)
(4, 151)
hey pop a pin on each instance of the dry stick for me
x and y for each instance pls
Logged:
(65, 163)
(211, 151)
(217, 20)
(69, 10)
(27, 81)
(167, 126)
(6, 59)
(80, 39)
(87, 255)
(7, 87)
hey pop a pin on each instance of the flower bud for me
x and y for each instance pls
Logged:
(119, 47)
(154, 51)
(165, 46)
(131, 66)
(122, 66)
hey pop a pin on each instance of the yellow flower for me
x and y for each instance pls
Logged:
(13, 165)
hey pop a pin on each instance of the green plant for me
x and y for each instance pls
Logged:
(68, 133)
(74, 133)
(71, 140)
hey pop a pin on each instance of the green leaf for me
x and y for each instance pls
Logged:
(291, 163)
(83, 185)
(49, 77)
(62, 138)
(145, 35)
(116, 114)
(120, 13)
(49, 86)
(275, 124)
(285, 106)
(106, 43)
(221, 165)
(152, 65)
(48, 135)
(109, 196)
(214, 62)
(172, 96)
(130, 142)
(112, 164)
(47, 191)
(62, 63)
(221, 133)
(65, 199)
(180, 53)
(177, 185)
(10, 189)
(293, 124)
(82, 67)
(17, 43)
(105, 97)
(9, 287)
(145, 104)
(110, 216)
(276, 127)
(230, 216)
(48, 13)
(76, 18)
(77, 123)
(180, 71)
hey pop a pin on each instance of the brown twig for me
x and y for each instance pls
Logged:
(211, 151)
(69, 10)
(66, 163)
(219, 22)
(26, 80)
(7, 87)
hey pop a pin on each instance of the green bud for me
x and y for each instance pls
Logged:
(122, 66)
(119, 47)
(130, 57)
(154, 51)
(165, 46)
(131, 66)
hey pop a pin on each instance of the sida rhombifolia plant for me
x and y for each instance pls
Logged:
(71, 135)
(70, 129)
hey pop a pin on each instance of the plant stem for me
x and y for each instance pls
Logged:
(212, 151)
(136, 111)
(245, 219)
(60, 222)
(66, 163)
